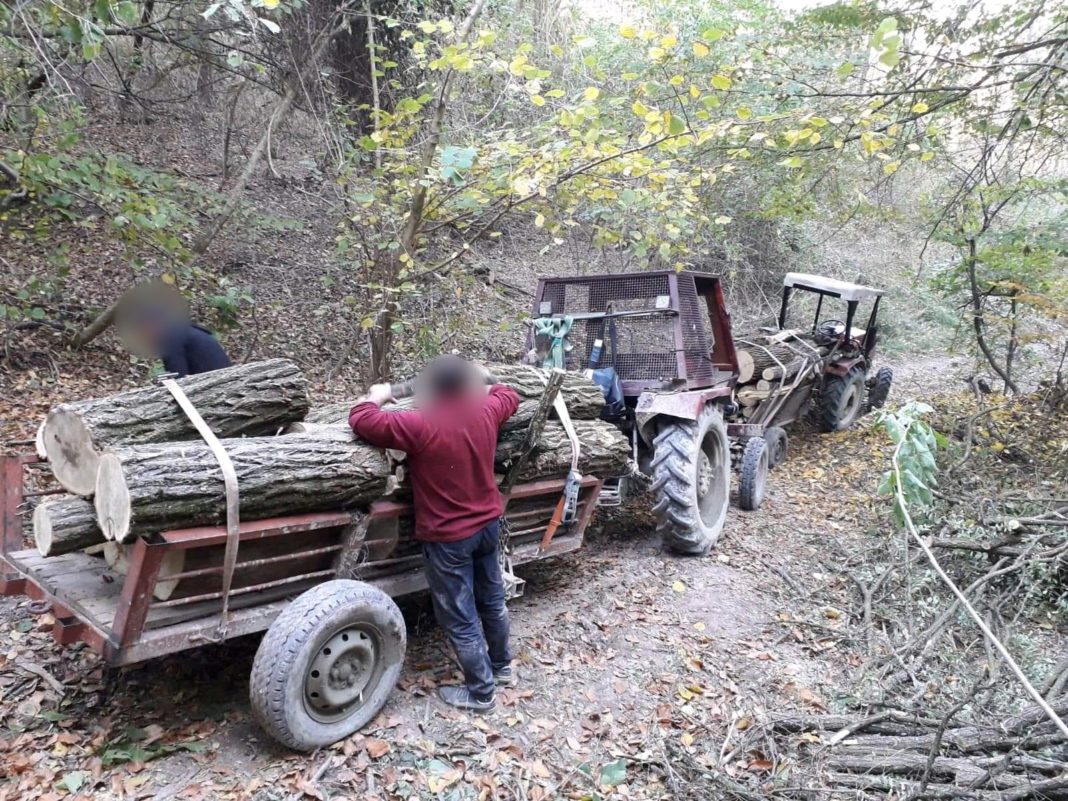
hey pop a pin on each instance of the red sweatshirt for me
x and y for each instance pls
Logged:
(450, 451)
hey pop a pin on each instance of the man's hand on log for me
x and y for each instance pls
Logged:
(379, 394)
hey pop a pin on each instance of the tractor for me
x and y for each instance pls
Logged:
(661, 347)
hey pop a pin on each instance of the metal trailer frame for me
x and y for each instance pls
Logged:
(119, 618)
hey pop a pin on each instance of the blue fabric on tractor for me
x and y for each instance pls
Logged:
(557, 328)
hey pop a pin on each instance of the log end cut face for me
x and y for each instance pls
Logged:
(69, 447)
(112, 499)
(42, 529)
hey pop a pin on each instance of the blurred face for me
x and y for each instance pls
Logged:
(446, 378)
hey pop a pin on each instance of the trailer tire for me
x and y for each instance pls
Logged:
(879, 390)
(327, 664)
(778, 446)
(691, 481)
(753, 474)
(841, 400)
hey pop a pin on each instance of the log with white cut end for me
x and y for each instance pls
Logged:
(38, 442)
(746, 368)
(62, 525)
(245, 400)
(148, 488)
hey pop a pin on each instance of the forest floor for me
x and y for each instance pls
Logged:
(629, 659)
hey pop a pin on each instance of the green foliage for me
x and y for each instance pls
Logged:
(227, 303)
(136, 746)
(914, 473)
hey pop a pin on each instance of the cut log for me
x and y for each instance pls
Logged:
(245, 400)
(764, 355)
(746, 368)
(117, 557)
(604, 449)
(151, 488)
(584, 399)
(787, 371)
(39, 443)
(751, 397)
(65, 524)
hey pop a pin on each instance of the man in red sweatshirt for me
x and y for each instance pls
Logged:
(450, 442)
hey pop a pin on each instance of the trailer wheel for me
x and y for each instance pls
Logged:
(778, 446)
(879, 390)
(753, 474)
(691, 480)
(841, 400)
(327, 664)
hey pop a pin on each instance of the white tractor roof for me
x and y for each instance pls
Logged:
(832, 286)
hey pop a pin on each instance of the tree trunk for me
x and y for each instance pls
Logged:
(788, 370)
(62, 525)
(584, 399)
(151, 488)
(604, 451)
(248, 399)
(746, 368)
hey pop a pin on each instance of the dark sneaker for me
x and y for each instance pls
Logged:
(505, 677)
(461, 698)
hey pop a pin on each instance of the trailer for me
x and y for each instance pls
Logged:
(335, 639)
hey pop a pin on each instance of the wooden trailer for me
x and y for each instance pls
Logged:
(335, 644)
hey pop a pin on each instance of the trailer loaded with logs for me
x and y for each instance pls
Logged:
(140, 552)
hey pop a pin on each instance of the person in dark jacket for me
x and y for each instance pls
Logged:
(184, 348)
(450, 442)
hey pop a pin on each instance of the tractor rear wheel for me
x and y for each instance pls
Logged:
(879, 390)
(841, 400)
(327, 664)
(691, 480)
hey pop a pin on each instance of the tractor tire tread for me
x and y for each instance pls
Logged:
(834, 390)
(751, 477)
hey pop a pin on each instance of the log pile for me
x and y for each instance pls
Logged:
(913, 756)
(134, 465)
(768, 364)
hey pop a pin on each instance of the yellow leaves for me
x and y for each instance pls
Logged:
(668, 41)
(167, 278)
(920, 108)
(537, 100)
(744, 113)
(591, 93)
(627, 31)
(700, 49)
(927, 156)
(678, 586)
(687, 739)
(517, 64)
(891, 167)
(270, 4)
(656, 54)
(722, 220)
(676, 80)
(445, 26)
(721, 82)
(539, 221)
(639, 109)
(427, 27)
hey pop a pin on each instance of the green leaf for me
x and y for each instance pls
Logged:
(127, 13)
(614, 773)
(845, 70)
(72, 782)
(721, 82)
(37, 313)
(676, 125)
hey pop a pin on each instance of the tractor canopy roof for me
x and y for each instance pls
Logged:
(831, 286)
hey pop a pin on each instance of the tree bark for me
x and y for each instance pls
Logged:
(584, 399)
(150, 488)
(62, 525)
(248, 399)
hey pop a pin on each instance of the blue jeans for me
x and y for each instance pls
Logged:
(468, 594)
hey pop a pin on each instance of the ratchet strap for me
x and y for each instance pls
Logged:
(557, 329)
(567, 507)
(233, 505)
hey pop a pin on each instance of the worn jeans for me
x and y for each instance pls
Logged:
(468, 594)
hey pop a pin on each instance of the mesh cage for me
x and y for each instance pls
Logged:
(640, 348)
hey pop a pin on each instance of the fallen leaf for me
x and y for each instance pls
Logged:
(376, 748)
(678, 586)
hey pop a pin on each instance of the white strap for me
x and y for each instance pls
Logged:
(233, 503)
(565, 418)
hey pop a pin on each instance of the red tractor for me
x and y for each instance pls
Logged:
(660, 344)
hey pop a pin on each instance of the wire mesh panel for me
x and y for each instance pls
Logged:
(640, 340)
